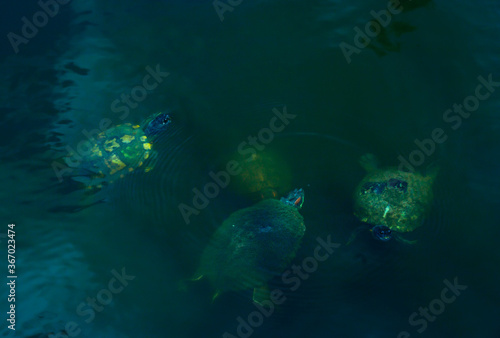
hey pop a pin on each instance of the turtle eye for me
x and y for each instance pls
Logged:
(382, 232)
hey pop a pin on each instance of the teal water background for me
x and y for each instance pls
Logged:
(225, 78)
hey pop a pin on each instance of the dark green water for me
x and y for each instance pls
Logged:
(224, 79)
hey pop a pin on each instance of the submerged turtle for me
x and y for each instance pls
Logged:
(263, 175)
(389, 36)
(253, 245)
(391, 200)
(122, 149)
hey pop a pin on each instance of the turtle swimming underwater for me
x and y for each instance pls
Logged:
(391, 200)
(253, 245)
(121, 149)
(390, 32)
(263, 175)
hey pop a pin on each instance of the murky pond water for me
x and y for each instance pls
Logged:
(305, 89)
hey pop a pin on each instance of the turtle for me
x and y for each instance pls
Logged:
(390, 31)
(253, 245)
(392, 201)
(120, 150)
(263, 175)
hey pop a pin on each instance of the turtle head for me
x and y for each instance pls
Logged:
(295, 198)
(381, 232)
(157, 124)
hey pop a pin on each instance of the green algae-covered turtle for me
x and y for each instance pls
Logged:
(263, 175)
(392, 201)
(253, 245)
(122, 149)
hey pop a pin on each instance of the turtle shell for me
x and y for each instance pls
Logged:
(252, 245)
(263, 175)
(394, 198)
(118, 151)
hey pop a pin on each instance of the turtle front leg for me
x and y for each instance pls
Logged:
(261, 294)
(369, 162)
